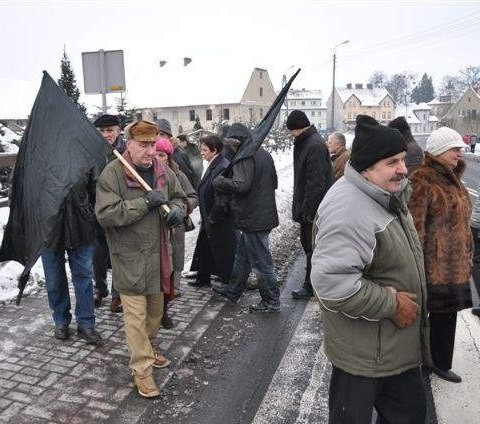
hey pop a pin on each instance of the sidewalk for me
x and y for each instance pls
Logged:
(44, 380)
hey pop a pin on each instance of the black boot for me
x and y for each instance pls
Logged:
(306, 292)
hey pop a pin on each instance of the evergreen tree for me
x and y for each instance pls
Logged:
(197, 125)
(125, 115)
(423, 92)
(68, 83)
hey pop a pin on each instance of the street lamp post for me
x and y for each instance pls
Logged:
(333, 81)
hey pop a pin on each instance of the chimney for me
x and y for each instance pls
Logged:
(359, 86)
(349, 85)
(370, 86)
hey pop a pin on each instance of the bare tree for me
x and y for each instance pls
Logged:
(400, 87)
(379, 79)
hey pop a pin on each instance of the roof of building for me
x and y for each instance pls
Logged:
(304, 94)
(367, 96)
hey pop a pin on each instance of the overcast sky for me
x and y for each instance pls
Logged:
(226, 40)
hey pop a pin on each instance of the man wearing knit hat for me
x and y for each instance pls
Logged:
(367, 271)
(312, 177)
(415, 154)
(109, 127)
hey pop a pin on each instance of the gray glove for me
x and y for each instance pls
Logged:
(174, 217)
(155, 198)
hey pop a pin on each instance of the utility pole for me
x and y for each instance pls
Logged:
(333, 82)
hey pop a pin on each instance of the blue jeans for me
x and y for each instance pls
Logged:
(253, 253)
(80, 262)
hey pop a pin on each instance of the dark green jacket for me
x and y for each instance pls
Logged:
(132, 231)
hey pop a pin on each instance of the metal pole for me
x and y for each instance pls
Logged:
(333, 93)
(103, 87)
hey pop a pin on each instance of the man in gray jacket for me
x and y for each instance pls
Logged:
(367, 271)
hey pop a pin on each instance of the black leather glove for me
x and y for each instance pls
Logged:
(174, 217)
(155, 198)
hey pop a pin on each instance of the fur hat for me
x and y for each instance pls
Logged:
(374, 142)
(141, 131)
(163, 145)
(164, 126)
(107, 121)
(297, 120)
(442, 140)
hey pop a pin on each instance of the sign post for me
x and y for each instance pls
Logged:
(103, 72)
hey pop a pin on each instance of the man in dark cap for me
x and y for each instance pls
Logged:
(415, 154)
(312, 177)
(368, 273)
(252, 186)
(109, 127)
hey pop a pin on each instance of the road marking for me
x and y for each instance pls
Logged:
(298, 392)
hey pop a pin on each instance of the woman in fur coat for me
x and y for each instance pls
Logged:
(441, 207)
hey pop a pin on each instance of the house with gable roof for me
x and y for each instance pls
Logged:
(464, 115)
(351, 101)
(217, 104)
(419, 117)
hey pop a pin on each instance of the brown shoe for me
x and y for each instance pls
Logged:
(146, 386)
(97, 299)
(116, 306)
(161, 361)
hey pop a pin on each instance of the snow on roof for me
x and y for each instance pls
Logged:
(367, 96)
(304, 94)
(437, 101)
(407, 112)
(433, 118)
(420, 106)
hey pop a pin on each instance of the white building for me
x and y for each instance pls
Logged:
(222, 103)
(419, 117)
(308, 101)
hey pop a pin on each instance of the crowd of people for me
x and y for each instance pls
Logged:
(387, 230)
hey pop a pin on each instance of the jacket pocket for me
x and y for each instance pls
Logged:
(129, 269)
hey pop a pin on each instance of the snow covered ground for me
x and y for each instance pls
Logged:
(9, 271)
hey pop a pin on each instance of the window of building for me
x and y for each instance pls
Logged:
(154, 116)
(226, 114)
(208, 114)
(261, 113)
(374, 114)
(313, 113)
(469, 99)
(349, 115)
(303, 102)
(314, 102)
(294, 103)
(139, 116)
(261, 75)
(459, 112)
(383, 115)
(474, 113)
(192, 114)
(261, 91)
(464, 113)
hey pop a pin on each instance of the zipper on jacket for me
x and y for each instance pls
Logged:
(379, 343)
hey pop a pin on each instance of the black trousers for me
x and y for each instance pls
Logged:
(306, 240)
(442, 339)
(398, 399)
(101, 263)
(476, 258)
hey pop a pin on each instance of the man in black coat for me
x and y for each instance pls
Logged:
(109, 127)
(253, 184)
(312, 177)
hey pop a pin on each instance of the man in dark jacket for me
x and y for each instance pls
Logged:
(415, 155)
(253, 186)
(74, 235)
(312, 177)
(109, 127)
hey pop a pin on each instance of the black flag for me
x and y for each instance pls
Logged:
(261, 130)
(59, 146)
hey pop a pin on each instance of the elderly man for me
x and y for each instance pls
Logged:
(312, 177)
(338, 153)
(368, 273)
(109, 127)
(136, 229)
